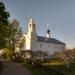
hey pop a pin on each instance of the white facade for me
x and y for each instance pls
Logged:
(49, 47)
(33, 42)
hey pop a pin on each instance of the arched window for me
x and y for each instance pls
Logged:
(30, 25)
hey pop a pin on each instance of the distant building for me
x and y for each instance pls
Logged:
(34, 43)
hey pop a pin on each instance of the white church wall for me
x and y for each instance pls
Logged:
(28, 43)
(49, 47)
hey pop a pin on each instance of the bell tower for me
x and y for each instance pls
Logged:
(31, 26)
(30, 36)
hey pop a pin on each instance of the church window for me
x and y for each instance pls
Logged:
(30, 25)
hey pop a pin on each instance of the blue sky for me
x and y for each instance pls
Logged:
(60, 14)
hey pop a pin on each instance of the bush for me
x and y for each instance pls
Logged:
(18, 59)
(8, 53)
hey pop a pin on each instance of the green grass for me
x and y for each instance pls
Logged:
(35, 71)
(61, 66)
(61, 69)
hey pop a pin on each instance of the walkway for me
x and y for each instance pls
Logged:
(11, 68)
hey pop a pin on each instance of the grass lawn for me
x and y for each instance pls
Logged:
(61, 69)
(34, 70)
(45, 70)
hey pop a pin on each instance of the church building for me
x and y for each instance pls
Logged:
(34, 43)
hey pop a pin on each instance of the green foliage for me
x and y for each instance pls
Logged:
(15, 33)
(22, 43)
(4, 26)
(9, 32)
(8, 53)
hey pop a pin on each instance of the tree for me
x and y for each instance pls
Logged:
(10, 32)
(22, 41)
(15, 33)
(4, 26)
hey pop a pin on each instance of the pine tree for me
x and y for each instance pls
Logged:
(4, 26)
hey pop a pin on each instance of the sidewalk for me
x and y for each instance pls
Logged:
(11, 68)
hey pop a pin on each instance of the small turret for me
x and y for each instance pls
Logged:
(48, 31)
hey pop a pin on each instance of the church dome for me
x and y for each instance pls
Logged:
(48, 31)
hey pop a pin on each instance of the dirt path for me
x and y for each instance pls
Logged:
(11, 68)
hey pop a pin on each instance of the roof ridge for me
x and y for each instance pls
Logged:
(50, 40)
